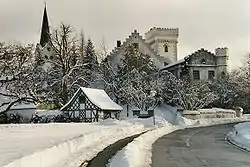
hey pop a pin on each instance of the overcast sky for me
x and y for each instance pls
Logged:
(203, 23)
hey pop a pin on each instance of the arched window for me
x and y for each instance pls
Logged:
(166, 48)
(203, 61)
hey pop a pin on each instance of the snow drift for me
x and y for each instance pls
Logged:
(59, 144)
(240, 136)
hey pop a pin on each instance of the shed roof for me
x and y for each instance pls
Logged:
(98, 97)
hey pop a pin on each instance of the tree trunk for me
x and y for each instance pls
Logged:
(64, 93)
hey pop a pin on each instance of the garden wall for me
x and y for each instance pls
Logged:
(209, 113)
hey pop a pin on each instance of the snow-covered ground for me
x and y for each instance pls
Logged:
(68, 145)
(240, 136)
(138, 153)
(62, 144)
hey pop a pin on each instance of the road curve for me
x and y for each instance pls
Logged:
(197, 147)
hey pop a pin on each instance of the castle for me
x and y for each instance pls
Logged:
(161, 45)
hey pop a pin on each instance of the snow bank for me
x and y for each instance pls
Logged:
(241, 135)
(138, 153)
(61, 144)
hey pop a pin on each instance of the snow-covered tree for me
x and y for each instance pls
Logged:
(116, 83)
(90, 60)
(69, 66)
(81, 47)
(102, 51)
(233, 90)
(17, 81)
(190, 95)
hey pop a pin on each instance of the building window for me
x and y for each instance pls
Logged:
(211, 75)
(223, 75)
(165, 64)
(203, 61)
(196, 75)
(82, 99)
(166, 48)
(48, 48)
(135, 45)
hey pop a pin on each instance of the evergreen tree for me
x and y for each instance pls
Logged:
(91, 63)
(90, 56)
(81, 47)
(133, 59)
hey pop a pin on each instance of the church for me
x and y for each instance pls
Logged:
(161, 44)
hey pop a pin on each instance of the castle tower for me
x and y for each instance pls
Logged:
(164, 42)
(222, 61)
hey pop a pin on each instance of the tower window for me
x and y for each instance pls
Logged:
(48, 48)
(46, 57)
(196, 75)
(166, 48)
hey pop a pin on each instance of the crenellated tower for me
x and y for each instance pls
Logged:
(222, 56)
(164, 41)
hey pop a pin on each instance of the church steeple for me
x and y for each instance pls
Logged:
(45, 34)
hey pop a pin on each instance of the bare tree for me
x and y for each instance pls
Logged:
(102, 51)
(17, 82)
(68, 68)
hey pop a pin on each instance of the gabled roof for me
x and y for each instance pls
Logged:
(117, 50)
(202, 50)
(98, 97)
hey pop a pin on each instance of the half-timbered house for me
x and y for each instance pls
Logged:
(91, 105)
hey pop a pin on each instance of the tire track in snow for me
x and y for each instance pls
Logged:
(104, 156)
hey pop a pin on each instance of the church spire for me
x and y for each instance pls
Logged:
(45, 35)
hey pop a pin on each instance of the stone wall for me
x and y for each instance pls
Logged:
(209, 113)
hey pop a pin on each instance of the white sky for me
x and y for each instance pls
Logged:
(203, 23)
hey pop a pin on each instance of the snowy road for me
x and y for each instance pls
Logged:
(197, 147)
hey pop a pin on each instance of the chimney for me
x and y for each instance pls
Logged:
(118, 44)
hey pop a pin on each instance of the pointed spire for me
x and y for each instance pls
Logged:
(45, 35)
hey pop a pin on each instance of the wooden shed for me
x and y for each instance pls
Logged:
(91, 105)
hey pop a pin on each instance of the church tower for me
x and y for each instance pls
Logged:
(45, 34)
(44, 49)
(164, 42)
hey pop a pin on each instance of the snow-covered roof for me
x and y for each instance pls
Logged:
(174, 64)
(98, 97)
(23, 106)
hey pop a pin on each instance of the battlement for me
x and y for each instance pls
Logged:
(221, 51)
(162, 32)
